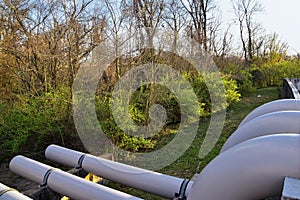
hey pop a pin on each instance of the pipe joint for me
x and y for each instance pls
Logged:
(181, 195)
(80, 161)
(46, 176)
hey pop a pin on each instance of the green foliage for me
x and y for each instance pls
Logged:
(246, 87)
(216, 81)
(231, 90)
(135, 144)
(28, 122)
(201, 91)
(116, 135)
(147, 95)
(243, 77)
(271, 73)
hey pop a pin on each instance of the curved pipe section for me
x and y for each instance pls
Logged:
(63, 182)
(290, 90)
(254, 169)
(267, 124)
(152, 182)
(7, 193)
(274, 106)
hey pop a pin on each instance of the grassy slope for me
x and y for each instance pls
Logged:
(186, 165)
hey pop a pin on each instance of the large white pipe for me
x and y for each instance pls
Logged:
(7, 193)
(267, 124)
(278, 105)
(254, 169)
(63, 182)
(152, 182)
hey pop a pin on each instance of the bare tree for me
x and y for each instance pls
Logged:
(147, 14)
(222, 47)
(199, 12)
(46, 41)
(245, 11)
(115, 24)
(175, 18)
(23, 42)
(215, 33)
(82, 35)
(273, 48)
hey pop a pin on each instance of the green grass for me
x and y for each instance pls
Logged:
(186, 165)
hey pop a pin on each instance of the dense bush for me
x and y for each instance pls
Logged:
(272, 73)
(243, 76)
(147, 95)
(116, 135)
(231, 90)
(30, 123)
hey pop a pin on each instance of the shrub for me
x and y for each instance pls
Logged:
(147, 95)
(115, 134)
(28, 124)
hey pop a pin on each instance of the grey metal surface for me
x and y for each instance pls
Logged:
(274, 106)
(291, 189)
(267, 124)
(254, 169)
(65, 183)
(153, 182)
